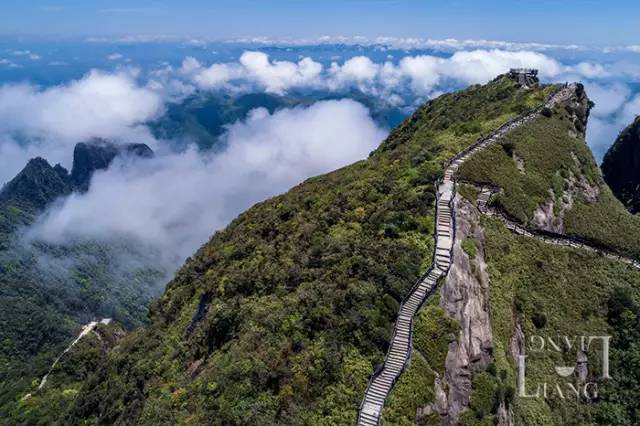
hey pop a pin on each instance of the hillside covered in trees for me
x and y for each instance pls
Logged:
(283, 316)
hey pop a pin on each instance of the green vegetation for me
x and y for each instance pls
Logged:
(605, 223)
(281, 317)
(490, 391)
(414, 390)
(538, 161)
(468, 192)
(48, 291)
(433, 330)
(65, 381)
(578, 293)
(469, 247)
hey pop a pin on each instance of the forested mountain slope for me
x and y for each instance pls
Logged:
(282, 317)
(49, 290)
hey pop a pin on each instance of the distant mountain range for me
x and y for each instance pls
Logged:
(202, 118)
(284, 316)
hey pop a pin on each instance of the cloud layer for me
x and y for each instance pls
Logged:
(48, 122)
(412, 79)
(272, 76)
(176, 201)
(424, 75)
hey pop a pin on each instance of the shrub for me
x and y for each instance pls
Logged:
(539, 319)
(509, 147)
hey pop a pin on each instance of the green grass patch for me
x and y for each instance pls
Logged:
(575, 292)
(552, 150)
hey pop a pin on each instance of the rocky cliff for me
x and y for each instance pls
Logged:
(283, 316)
(621, 167)
(98, 154)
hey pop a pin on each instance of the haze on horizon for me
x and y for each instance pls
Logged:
(591, 22)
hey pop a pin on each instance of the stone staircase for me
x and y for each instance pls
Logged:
(401, 342)
(399, 353)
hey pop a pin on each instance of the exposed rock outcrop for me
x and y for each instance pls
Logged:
(439, 406)
(465, 298)
(544, 217)
(36, 185)
(549, 216)
(98, 154)
(621, 167)
(504, 415)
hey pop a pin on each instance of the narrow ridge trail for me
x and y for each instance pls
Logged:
(401, 344)
(545, 237)
(86, 329)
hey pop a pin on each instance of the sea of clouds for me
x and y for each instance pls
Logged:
(176, 200)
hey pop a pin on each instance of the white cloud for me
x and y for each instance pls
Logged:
(357, 69)
(422, 70)
(29, 54)
(590, 70)
(176, 201)
(608, 99)
(105, 105)
(445, 45)
(214, 77)
(480, 66)
(190, 65)
(115, 56)
(277, 76)
(425, 73)
(614, 110)
(631, 109)
(421, 74)
(255, 67)
(137, 38)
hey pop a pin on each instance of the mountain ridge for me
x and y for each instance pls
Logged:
(620, 166)
(50, 289)
(311, 277)
(282, 317)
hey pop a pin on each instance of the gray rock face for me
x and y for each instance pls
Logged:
(621, 167)
(582, 366)
(544, 217)
(549, 216)
(505, 415)
(98, 154)
(465, 298)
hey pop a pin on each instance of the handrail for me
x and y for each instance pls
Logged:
(483, 139)
(557, 238)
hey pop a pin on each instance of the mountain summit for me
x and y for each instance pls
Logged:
(321, 305)
(98, 154)
(37, 185)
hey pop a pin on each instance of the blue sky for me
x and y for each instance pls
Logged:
(591, 22)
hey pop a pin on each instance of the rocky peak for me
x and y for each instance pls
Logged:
(37, 184)
(621, 167)
(98, 154)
